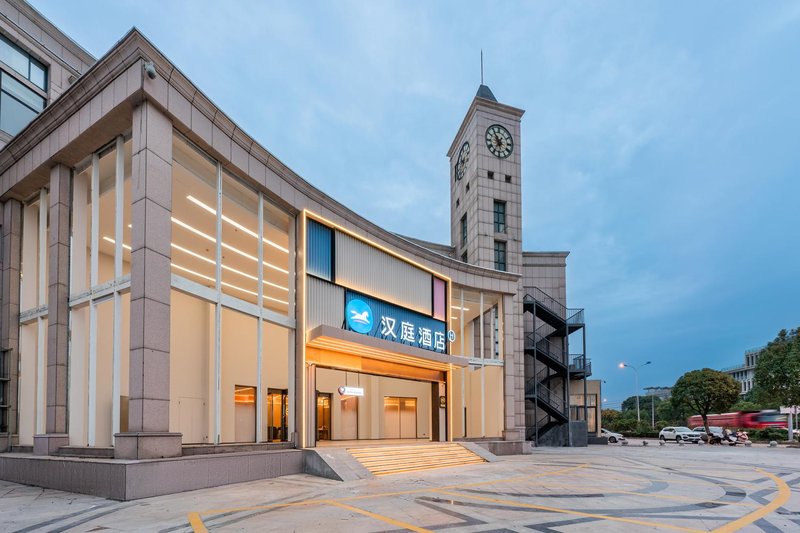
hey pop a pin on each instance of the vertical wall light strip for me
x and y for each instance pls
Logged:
(302, 336)
(483, 373)
(292, 287)
(260, 333)
(93, 275)
(116, 368)
(41, 348)
(218, 316)
(464, 370)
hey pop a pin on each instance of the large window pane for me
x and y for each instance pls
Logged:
(13, 57)
(107, 212)
(275, 380)
(81, 230)
(13, 115)
(126, 209)
(22, 93)
(191, 367)
(278, 284)
(239, 240)
(239, 374)
(38, 74)
(194, 220)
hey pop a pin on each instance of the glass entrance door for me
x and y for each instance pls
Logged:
(323, 415)
(277, 415)
(399, 418)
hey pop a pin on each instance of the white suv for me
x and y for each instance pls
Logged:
(678, 434)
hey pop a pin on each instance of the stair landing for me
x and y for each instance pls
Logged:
(387, 460)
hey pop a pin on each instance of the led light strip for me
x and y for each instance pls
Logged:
(459, 308)
(235, 224)
(182, 249)
(225, 283)
(112, 241)
(226, 246)
(226, 267)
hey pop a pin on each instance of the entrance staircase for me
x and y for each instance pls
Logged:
(386, 460)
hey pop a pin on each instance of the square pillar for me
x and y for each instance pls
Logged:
(11, 242)
(57, 314)
(148, 433)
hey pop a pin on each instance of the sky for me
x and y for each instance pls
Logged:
(660, 144)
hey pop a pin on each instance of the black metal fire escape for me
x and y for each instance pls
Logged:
(548, 364)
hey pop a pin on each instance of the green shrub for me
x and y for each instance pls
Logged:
(768, 434)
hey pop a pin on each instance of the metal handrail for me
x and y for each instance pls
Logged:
(575, 317)
(547, 301)
(548, 396)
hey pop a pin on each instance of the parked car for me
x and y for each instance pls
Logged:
(716, 431)
(679, 434)
(611, 436)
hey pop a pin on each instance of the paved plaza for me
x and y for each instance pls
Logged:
(600, 488)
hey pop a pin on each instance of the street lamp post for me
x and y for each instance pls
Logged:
(636, 373)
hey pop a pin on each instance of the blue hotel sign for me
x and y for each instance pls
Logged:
(375, 318)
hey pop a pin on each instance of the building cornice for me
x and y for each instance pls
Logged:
(134, 46)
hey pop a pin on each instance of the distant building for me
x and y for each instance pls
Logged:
(662, 393)
(745, 374)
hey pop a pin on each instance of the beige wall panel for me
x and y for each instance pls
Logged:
(189, 367)
(27, 383)
(363, 268)
(325, 304)
(494, 401)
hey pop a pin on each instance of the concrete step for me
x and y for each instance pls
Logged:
(94, 452)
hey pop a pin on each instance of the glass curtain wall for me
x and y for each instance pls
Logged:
(33, 318)
(100, 266)
(477, 320)
(233, 273)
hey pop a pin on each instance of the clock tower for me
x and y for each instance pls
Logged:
(486, 185)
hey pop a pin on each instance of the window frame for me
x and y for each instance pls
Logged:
(501, 247)
(499, 225)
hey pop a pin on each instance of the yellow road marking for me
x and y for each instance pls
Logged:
(397, 493)
(569, 512)
(197, 523)
(642, 494)
(386, 519)
(784, 492)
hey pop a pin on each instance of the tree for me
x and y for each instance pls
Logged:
(778, 370)
(644, 403)
(671, 413)
(705, 391)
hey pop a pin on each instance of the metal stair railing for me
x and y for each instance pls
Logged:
(533, 341)
(580, 363)
(546, 301)
(575, 317)
(550, 397)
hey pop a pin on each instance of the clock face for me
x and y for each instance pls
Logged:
(499, 142)
(461, 162)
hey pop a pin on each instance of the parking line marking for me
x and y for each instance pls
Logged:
(784, 493)
(197, 523)
(381, 517)
(569, 512)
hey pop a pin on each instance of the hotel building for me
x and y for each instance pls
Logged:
(179, 307)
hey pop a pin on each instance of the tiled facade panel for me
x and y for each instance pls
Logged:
(366, 269)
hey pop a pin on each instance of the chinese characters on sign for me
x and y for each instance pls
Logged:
(380, 319)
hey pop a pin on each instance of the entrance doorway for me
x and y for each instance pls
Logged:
(277, 415)
(399, 417)
(245, 414)
(323, 415)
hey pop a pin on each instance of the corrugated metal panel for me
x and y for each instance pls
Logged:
(369, 270)
(325, 304)
(319, 250)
